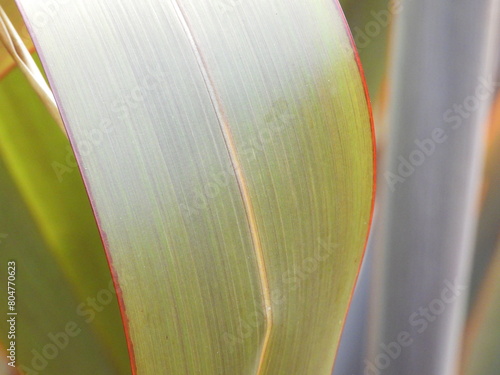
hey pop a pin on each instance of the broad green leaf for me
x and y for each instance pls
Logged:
(49, 230)
(232, 177)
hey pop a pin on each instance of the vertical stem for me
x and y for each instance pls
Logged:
(442, 86)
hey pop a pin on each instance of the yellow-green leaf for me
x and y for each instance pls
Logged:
(231, 173)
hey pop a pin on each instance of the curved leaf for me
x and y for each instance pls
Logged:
(233, 177)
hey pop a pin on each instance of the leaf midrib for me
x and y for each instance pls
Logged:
(241, 181)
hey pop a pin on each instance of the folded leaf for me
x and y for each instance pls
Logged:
(231, 174)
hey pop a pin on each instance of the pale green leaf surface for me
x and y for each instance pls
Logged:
(234, 180)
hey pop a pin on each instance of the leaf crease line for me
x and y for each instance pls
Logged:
(240, 177)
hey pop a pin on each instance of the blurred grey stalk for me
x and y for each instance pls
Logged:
(442, 83)
(352, 347)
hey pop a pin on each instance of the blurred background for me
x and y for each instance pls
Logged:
(433, 76)
(428, 296)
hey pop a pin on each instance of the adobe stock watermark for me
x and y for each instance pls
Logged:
(380, 21)
(293, 279)
(227, 6)
(277, 119)
(47, 11)
(121, 107)
(57, 342)
(420, 321)
(454, 117)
